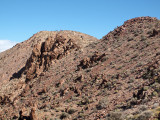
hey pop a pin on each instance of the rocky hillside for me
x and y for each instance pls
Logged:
(70, 75)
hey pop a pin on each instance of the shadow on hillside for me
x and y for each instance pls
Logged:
(18, 74)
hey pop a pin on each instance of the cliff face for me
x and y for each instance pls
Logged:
(14, 59)
(70, 75)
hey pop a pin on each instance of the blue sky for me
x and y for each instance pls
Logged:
(20, 19)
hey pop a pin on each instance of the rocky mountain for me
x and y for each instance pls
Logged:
(74, 76)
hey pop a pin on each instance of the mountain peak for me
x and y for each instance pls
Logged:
(134, 27)
(140, 20)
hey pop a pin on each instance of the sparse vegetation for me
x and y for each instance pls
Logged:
(71, 75)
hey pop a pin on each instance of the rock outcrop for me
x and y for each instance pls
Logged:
(54, 48)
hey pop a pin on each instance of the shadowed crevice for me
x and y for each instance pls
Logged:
(18, 74)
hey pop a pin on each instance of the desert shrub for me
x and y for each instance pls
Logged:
(150, 32)
(84, 101)
(154, 93)
(63, 115)
(143, 108)
(131, 80)
(130, 39)
(145, 115)
(82, 116)
(156, 87)
(71, 111)
(145, 88)
(114, 116)
(136, 34)
(102, 103)
(143, 38)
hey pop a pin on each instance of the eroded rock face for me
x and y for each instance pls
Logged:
(89, 61)
(43, 54)
(54, 48)
(13, 61)
(31, 116)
